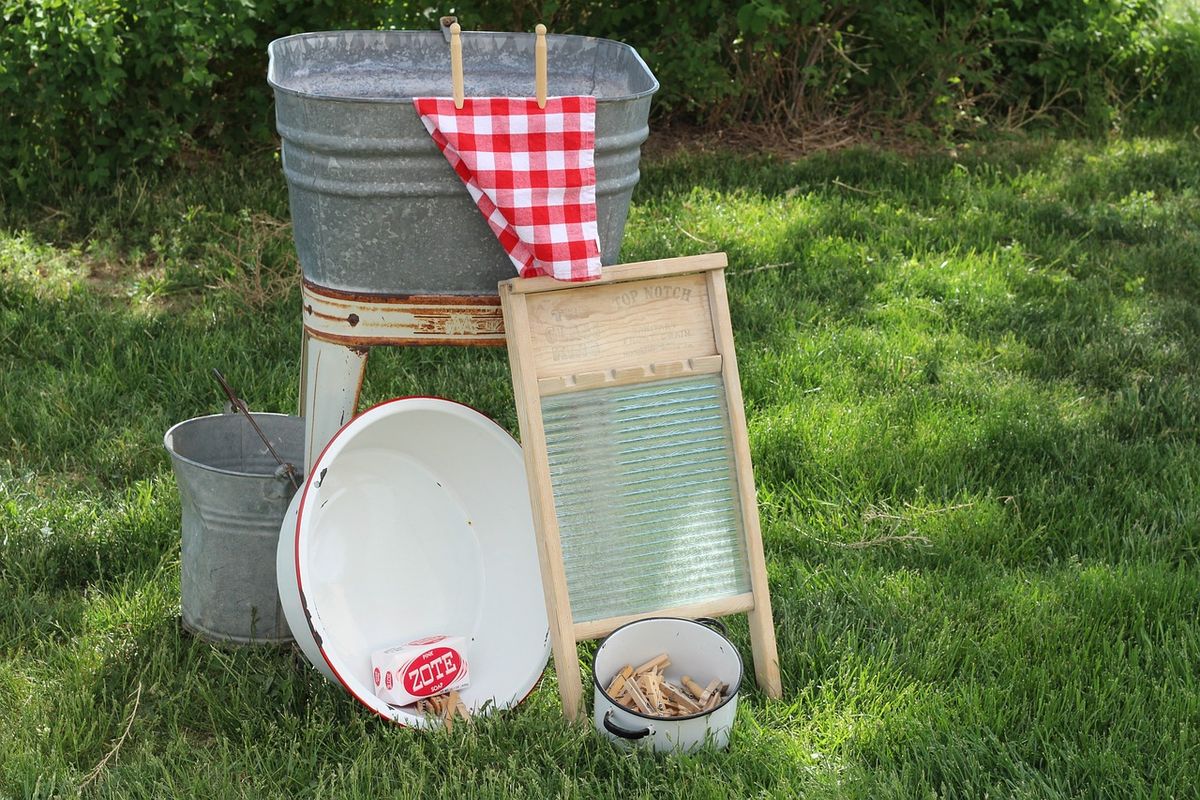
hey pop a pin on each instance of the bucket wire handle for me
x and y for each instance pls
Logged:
(288, 469)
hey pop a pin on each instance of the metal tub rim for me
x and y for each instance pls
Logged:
(167, 443)
(466, 35)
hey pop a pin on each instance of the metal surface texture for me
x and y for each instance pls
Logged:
(234, 496)
(375, 206)
(646, 496)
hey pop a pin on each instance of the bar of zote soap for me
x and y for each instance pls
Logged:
(422, 668)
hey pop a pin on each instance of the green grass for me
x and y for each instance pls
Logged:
(974, 405)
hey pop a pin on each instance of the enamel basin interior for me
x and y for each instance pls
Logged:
(416, 522)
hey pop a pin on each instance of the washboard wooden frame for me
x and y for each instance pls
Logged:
(640, 323)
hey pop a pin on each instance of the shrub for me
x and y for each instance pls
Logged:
(88, 87)
(1170, 76)
(97, 84)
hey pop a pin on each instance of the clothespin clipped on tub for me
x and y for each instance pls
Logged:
(539, 65)
(456, 65)
(456, 69)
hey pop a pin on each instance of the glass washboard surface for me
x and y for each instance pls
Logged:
(646, 493)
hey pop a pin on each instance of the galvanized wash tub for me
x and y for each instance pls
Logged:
(376, 208)
(234, 497)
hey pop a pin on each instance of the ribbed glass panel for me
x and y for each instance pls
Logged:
(646, 494)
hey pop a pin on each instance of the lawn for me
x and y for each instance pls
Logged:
(973, 392)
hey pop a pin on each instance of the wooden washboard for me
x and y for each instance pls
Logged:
(636, 451)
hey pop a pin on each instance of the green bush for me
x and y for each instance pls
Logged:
(1085, 58)
(949, 66)
(92, 85)
(89, 87)
(1172, 76)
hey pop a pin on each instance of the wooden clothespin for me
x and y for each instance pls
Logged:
(456, 69)
(539, 65)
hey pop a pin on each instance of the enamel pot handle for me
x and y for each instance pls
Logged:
(624, 733)
(715, 624)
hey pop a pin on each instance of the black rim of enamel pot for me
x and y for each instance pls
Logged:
(705, 622)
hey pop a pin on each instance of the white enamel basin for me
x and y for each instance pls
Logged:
(415, 521)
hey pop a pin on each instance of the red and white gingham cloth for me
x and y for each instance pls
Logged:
(532, 173)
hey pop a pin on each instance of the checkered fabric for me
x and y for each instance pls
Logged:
(532, 173)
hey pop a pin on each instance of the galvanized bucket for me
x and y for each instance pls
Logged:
(375, 206)
(234, 496)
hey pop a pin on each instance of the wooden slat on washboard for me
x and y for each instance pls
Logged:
(635, 445)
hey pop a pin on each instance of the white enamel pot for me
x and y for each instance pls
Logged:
(415, 521)
(697, 650)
